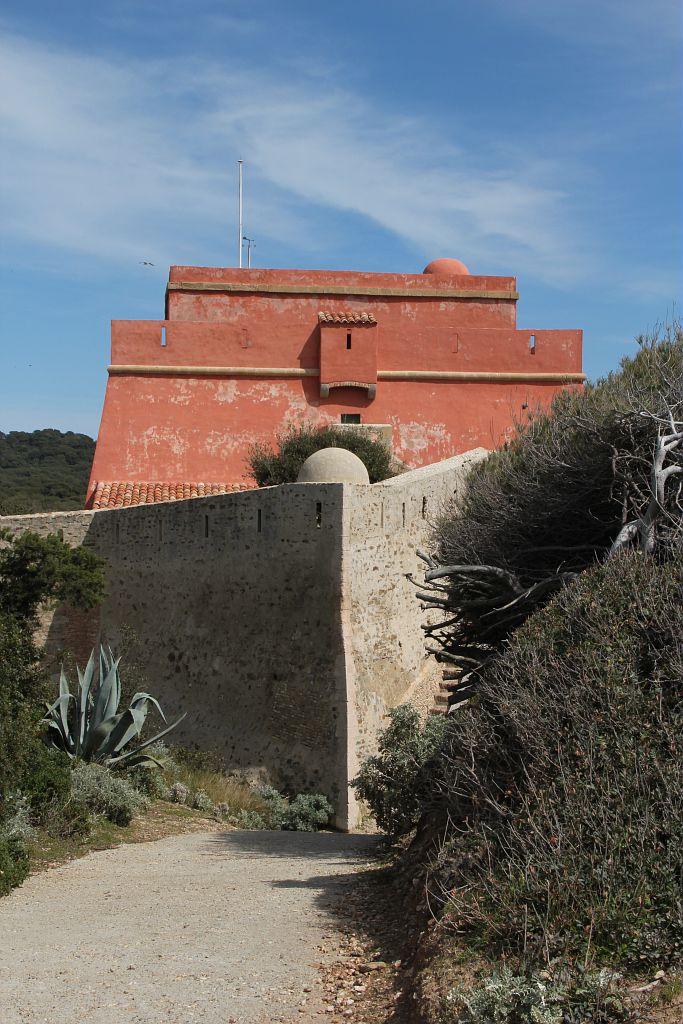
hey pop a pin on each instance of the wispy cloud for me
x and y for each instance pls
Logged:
(122, 162)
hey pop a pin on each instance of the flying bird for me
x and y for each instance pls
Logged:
(146, 263)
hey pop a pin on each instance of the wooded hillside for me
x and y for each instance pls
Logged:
(43, 471)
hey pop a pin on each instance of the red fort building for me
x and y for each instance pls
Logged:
(434, 359)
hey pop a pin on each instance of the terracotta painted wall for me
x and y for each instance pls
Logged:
(181, 404)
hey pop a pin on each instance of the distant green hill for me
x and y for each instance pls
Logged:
(43, 471)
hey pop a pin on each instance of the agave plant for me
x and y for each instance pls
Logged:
(90, 727)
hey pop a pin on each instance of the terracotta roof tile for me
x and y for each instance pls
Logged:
(346, 318)
(125, 493)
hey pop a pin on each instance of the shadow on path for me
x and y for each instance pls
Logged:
(361, 899)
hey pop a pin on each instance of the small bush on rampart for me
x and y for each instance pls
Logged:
(281, 466)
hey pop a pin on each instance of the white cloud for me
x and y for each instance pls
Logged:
(123, 162)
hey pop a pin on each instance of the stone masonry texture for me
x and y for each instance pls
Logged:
(279, 619)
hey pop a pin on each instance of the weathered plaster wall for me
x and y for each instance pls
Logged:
(280, 619)
(242, 355)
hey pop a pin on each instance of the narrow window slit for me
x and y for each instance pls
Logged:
(424, 508)
(532, 345)
(348, 340)
(318, 514)
(259, 521)
(163, 337)
(403, 513)
(161, 530)
(206, 526)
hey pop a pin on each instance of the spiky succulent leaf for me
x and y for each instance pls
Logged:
(66, 697)
(147, 743)
(85, 681)
(100, 732)
(121, 730)
(56, 718)
(141, 699)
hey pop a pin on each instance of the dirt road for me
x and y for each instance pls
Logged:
(211, 927)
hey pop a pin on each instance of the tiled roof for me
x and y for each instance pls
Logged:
(123, 493)
(346, 318)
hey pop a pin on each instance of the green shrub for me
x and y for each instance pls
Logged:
(73, 818)
(19, 823)
(14, 862)
(35, 570)
(307, 812)
(394, 782)
(149, 781)
(201, 801)
(22, 685)
(252, 820)
(179, 793)
(295, 445)
(562, 779)
(48, 785)
(506, 998)
(105, 792)
(275, 806)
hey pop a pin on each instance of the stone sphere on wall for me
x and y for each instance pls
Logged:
(446, 267)
(333, 466)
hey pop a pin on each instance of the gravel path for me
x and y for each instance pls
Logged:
(212, 927)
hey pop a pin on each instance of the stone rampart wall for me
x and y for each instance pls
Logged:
(280, 619)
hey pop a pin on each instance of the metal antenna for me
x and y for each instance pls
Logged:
(240, 226)
(251, 244)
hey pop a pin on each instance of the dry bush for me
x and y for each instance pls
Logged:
(562, 782)
(555, 500)
(221, 789)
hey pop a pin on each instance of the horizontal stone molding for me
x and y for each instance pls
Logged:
(333, 289)
(144, 370)
(468, 375)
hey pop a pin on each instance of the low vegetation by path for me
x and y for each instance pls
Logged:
(213, 927)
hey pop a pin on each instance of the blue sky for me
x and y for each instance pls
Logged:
(534, 137)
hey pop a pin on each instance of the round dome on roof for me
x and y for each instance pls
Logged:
(333, 466)
(446, 267)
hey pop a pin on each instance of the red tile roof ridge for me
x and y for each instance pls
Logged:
(127, 493)
(350, 317)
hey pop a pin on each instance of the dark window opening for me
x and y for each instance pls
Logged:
(424, 508)
(206, 526)
(318, 514)
(532, 344)
(348, 340)
(350, 417)
(259, 521)
(403, 513)
(161, 530)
